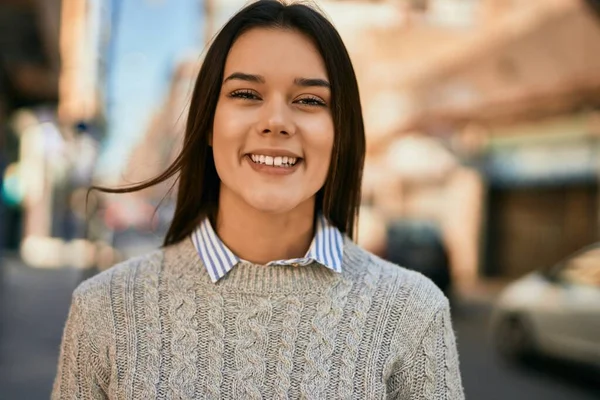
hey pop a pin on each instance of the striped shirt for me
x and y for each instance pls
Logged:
(325, 249)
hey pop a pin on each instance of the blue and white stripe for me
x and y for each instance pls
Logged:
(326, 249)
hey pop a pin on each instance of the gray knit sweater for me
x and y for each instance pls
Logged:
(156, 327)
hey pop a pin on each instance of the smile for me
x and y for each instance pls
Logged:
(274, 161)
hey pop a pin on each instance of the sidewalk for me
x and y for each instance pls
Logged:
(484, 291)
(476, 300)
(33, 308)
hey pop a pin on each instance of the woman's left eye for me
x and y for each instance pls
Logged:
(311, 101)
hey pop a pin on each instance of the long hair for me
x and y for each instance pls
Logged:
(197, 180)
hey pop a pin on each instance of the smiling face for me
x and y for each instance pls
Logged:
(273, 131)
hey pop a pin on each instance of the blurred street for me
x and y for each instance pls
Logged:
(35, 304)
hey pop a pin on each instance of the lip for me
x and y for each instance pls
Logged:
(271, 170)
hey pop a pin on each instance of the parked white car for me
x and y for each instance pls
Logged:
(554, 313)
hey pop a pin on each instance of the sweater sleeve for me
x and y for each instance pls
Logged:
(432, 373)
(80, 374)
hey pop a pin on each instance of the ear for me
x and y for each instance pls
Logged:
(210, 139)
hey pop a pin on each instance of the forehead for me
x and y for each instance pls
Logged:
(268, 51)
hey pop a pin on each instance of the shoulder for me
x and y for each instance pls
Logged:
(100, 287)
(394, 280)
(407, 301)
(98, 301)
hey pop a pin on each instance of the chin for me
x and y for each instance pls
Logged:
(274, 204)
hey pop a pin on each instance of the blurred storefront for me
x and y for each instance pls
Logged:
(543, 199)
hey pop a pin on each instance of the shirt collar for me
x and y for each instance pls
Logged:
(326, 249)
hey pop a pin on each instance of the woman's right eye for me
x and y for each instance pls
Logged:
(244, 94)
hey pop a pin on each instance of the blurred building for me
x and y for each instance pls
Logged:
(158, 147)
(532, 92)
(61, 147)
(85, 29)
(29, 73)
(162, 140)
(410, 174)
(49, 102)
(482, 117)
(518, 101)
(147, 110)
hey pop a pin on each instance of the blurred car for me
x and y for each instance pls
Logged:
(554, 312)
(418, 245)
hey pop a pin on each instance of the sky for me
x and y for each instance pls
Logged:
(150, 37)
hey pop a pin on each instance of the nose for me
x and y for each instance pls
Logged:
(276, 118)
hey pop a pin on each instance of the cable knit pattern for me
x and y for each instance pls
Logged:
(184, 340)
(126, 349)
(216, 333)
(166, 335)
(449, 358)
(355, 333)
(289, 334)
(430, 369)
(321, 345)
(157, 327)
(251, 346)
(74, 343)
(151, 326)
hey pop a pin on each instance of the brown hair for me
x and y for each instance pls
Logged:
(197, 179)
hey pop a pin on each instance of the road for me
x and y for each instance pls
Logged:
(485, 376)
(34, 304)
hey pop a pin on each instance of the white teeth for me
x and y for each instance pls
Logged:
(278, 161)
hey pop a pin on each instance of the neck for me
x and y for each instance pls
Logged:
(261, 237)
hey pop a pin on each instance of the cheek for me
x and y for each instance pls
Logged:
(224, 126)
(227, 136)
(223, 145)
(320, 140)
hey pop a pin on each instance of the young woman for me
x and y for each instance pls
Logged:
(259, 291)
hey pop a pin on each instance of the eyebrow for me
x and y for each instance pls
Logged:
(245, 77)
(304, 82)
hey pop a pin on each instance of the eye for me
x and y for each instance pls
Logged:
(311, 101)
(244, 94)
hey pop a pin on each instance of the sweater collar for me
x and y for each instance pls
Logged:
(325, 249)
